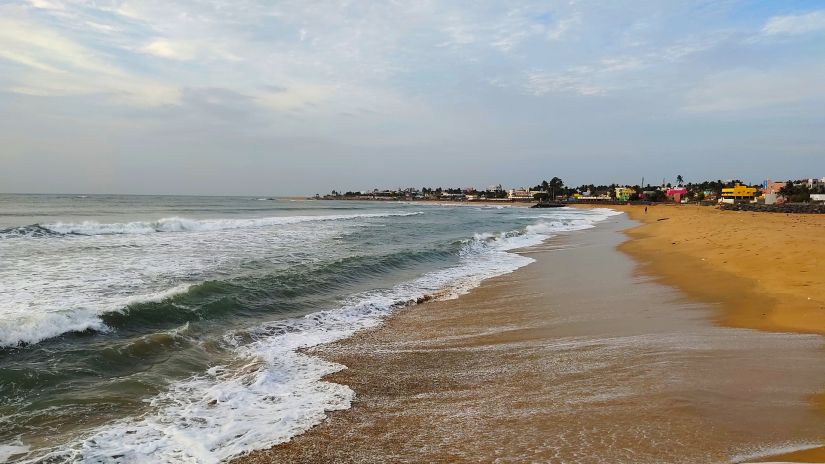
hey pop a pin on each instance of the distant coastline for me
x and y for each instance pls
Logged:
(730, 192)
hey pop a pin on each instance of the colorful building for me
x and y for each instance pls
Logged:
(769, 186)
(624, 193)
(738, 193)
(676, 194)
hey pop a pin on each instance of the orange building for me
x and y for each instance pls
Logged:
(772, 187)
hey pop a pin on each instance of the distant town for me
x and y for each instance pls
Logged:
(769, 192)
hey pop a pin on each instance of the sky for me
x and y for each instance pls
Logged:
(243, 97)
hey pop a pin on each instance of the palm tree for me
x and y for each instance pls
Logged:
(680, 180)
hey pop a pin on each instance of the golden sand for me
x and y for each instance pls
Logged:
(767, 270)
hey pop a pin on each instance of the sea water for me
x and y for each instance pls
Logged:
(162, 328)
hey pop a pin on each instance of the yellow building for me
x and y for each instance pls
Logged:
(738, 193)
(624, 193)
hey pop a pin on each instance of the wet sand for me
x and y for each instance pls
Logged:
(575, 358)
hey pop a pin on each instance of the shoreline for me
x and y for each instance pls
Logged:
(368, 354)
(776, 296)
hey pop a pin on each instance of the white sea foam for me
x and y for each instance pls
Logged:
(273, 392)
(41, 325)
(49, 287)
(178, 224)
(11, 449)
(758, 454)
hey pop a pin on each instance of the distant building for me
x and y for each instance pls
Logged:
(624, 193)
(676, 194)
(533, 193)
(521, 194)
(818, 197)
(593, 198)
(738, 193)
(770, 186)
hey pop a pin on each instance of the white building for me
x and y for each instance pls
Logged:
(519, 194)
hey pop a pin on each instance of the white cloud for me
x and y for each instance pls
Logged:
(588, 80)
(54, 65)
(562, 27)
(458, 34)
(47, 5)
(295, 96)
(325, 53)
(624, 63)
(542, 83)
(795, 24)
(685, 48)
(173, 50)
(507, 42)
(747, 89)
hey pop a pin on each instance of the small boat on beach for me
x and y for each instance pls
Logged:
(549, 205)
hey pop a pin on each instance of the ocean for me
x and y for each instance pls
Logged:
(170, 329)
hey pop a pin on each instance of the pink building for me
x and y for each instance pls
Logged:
(676, 194)
(772, 187)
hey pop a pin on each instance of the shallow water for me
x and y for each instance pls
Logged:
(133, 326)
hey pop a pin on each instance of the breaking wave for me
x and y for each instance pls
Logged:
(175, 224)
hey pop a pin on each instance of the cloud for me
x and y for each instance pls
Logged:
(294, 97)
(393, 74)
(750, 89)
(687, 47)
(562, 27)
(173, 50)
(795, 24)
(47, 5)
(543, 83)
(52, 64)
(457, 33)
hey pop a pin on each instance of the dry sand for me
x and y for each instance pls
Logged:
(575, 358)
(767, 270)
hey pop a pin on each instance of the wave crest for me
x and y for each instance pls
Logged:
(175, 224)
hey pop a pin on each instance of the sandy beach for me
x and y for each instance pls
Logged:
(582, 356)
(765, 270)
(762, 270)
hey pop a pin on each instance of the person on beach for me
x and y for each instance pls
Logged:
(645, 209)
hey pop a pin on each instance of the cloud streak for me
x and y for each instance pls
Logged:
(797, 24)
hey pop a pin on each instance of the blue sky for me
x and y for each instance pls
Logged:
(298, 97)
